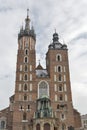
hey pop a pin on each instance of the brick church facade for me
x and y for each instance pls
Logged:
(42, 98)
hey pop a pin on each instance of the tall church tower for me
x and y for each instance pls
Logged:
(42, 98)
(25, 76)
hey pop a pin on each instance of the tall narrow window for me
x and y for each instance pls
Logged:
(2, 124)
(25, 87)
(58, 57)
(25, 59)
(62, 116)
(25, 97)
(28, 107)
(60, 87)
(59, 69)
(58, 106)
(26, 52)
(25, 77)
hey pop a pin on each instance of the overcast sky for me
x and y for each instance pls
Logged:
(69, 17)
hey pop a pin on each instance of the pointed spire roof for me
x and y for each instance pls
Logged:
(27, 22)
(27, 31)
(39, 67)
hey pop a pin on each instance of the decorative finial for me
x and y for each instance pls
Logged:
(27, 13)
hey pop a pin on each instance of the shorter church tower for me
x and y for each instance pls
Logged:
(43, 97)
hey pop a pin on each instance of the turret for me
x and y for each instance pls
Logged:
(56, 44)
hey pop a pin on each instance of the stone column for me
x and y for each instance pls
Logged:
(41, 126)
(51, 127)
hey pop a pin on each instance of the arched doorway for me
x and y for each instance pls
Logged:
(38, 127)
(46, 126)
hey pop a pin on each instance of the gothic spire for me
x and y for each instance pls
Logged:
(27, 22)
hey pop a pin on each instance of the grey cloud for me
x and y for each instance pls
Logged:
(80, 36)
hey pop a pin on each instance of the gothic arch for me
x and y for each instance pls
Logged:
(3, 122)
(38, 127)
(58, 57)
(43, 88)
(46, 126)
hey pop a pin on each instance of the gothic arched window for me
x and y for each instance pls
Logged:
(26, 59)
(26, 52)
(25, 87)
(2, 124)
(43, 89)
(58, 57)
(59, 69)
(60, 87)
(58, 106)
